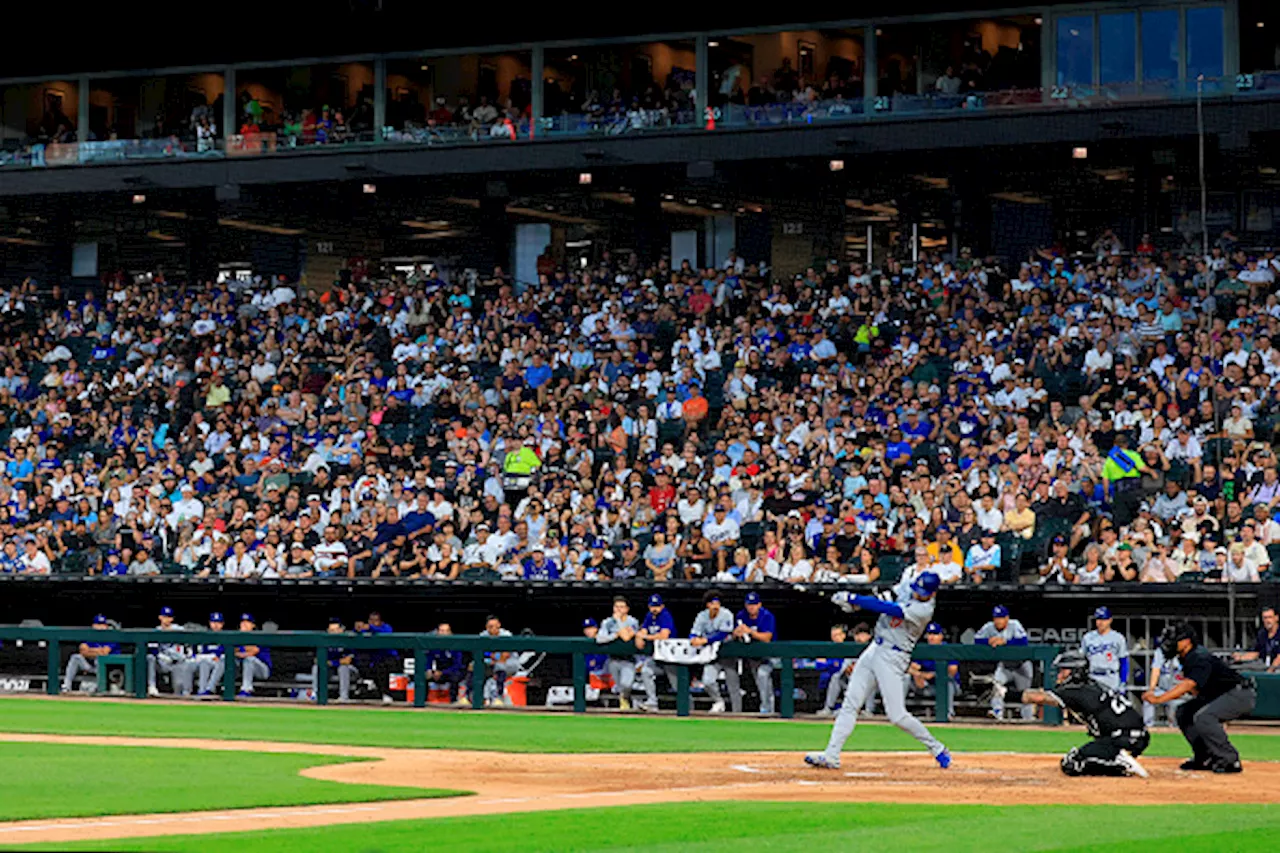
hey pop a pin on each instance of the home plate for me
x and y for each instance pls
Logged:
(866, 775)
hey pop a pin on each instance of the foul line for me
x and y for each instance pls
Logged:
(307, 811)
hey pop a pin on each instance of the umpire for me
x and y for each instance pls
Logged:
(1221, 694)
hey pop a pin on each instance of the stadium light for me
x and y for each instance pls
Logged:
(836, 165)
(1080, 153)
(370, 189)
(584, 178)
(139, 198)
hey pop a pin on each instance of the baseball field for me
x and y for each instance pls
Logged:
(101, 774)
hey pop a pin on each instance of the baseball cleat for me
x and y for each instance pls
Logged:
(1227, 767)
(825, 712)
(1192, 765)
(717, 707)
(651, 707)
(245, 694)
(943, 758)
(1131, 765)
(624, 704)
(820, 760)
(153, 692)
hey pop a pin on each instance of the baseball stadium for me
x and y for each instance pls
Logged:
(549, 430)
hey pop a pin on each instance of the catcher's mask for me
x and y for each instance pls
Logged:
(1171, 635)
(1072, 666)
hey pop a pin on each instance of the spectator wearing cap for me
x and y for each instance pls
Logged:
(35, 558)
(85, 659)
(1058, 568)
(984, 558)
(172, 659)
(922, 676)
(1121, 566)
(142, 563)
(537, 567)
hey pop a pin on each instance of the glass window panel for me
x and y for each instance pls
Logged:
(1075, 50)
(1118, 37)
(1160, 45)
(1204, 43)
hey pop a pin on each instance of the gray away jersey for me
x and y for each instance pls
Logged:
(903, 633)
(705, 626)
(1105, 652)
(1013, 630)
(610, 627)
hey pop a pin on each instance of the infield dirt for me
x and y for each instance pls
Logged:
(505, 782)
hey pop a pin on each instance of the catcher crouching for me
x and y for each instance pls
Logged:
(1115, 725)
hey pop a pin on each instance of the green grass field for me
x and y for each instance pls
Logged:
(733, 827)
(529, 732)
(46, 780)
(64, 780)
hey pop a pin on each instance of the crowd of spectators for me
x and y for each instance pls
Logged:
(1065, 420)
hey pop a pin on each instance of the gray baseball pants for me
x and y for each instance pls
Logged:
(762, 671)
(1201, 724)
(711, 682)
(346, 672)
(649, 670)
(180, 673)
(1019, 675)
(78, 664)
(624, 676)
(876, 668)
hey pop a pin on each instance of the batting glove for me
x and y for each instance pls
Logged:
(843, 600)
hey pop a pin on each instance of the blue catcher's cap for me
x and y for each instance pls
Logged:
(999, 611)
(933, 628)
(99, 619)
(590, 623)
(753, 597)
(215, 616)
(655, 600)
(1102, 612)
(166, 611)
(926, 584)
(246, 617)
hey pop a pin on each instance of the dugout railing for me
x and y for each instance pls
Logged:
(577, 648)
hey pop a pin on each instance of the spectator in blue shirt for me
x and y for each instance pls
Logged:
(538, 568)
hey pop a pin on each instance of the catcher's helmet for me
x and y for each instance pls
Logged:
(926, 584)
(1076, 665)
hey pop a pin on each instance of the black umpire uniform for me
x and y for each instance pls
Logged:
(1112, 721)
(1221, 694)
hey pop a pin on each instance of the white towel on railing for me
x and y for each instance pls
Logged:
(681, 651)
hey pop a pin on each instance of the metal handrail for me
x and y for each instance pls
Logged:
(577, 647)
